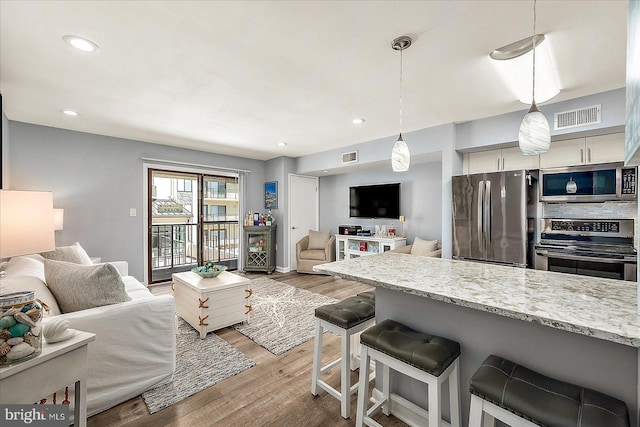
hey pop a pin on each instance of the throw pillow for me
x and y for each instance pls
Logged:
(74, 253)
(318, 239)
(79, 287)
(423, 247)
(26, 273)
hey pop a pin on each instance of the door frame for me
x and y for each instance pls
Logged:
(162, 166)
(290, 200)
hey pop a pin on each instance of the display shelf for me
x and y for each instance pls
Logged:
(260, 248)
(348, 247)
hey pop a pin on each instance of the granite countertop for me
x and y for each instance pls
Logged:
(601, 308)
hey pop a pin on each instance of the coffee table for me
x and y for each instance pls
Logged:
(211, 304)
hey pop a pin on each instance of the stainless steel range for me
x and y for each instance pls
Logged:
(601, 248)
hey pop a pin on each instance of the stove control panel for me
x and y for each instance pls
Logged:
(590, 226)
(586, 227)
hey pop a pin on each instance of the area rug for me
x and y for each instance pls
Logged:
(199, 365)
(282, 316)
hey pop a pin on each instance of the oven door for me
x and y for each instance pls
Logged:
(609, 268)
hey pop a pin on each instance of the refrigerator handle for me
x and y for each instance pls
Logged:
(480, 212)
(487, 210)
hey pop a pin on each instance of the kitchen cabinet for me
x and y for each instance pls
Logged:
(584, 151)
(499, 160)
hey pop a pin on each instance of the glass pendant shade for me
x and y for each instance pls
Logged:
(400, 157)
(535, 136)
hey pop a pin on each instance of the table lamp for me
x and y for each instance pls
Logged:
(26, 222)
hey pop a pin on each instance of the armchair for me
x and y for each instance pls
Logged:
(321, 250)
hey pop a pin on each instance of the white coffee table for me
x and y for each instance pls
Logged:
(211, 304)
(57, 366)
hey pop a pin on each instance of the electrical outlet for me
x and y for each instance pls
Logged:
(132, 212)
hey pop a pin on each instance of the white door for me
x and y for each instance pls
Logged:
(304, 212)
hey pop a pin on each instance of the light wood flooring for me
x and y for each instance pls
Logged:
(275, 392)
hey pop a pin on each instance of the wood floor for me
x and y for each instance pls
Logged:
(275, 392)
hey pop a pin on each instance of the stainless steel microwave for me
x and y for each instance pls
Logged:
(592, 183)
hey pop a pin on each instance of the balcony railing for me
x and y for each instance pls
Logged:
(174, 247)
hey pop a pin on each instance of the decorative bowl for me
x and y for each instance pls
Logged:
(209, 270)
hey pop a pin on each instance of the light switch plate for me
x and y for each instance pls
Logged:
(132, 212)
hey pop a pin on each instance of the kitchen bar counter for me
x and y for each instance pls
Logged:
(579, 329)
(601, 308)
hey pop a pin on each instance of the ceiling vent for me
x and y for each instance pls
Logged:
(350, 157)
(578, 117)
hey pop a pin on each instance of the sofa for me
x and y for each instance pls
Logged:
(318, 247)
(135, 345)
(429, 248)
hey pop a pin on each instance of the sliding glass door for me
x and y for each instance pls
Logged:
(193, 218)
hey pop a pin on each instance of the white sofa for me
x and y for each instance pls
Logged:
(135, 346)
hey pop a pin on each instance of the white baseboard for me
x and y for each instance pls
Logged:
(282, 269)
(404, 410)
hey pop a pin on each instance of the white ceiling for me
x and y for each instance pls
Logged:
(237, 77)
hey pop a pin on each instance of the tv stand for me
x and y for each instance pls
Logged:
(348, 247)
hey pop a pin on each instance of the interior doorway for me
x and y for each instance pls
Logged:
(304, 211)
(192, 218)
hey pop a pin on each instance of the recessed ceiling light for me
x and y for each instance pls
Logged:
(357, 121)
(81, 43)
(282, 144)
(70, 113)
(326, 171)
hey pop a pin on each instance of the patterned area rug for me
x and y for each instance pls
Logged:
(199, 365)
(283, 316)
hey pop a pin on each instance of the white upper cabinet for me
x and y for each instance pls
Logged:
(498, 160)
(584, 151)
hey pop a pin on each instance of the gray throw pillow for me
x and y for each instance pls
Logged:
(318, 239)
(74, 253)
(79, 287)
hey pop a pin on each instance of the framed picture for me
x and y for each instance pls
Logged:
(271, 195)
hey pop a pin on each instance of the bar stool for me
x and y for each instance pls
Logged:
(520, 397)
(369, 295)
(427, 358)
(346, 318)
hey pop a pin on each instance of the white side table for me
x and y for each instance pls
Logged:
(59, 365)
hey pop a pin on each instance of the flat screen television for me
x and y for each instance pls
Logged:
(375, 201)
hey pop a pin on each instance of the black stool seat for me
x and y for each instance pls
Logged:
(544, 400)
(426, 352)
(369, 294)
(348, 312)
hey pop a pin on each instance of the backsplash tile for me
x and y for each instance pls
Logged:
(605, 210)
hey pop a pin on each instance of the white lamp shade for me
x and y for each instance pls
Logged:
(26, 223)
(400, 157)
(58, 219)
(535, 136)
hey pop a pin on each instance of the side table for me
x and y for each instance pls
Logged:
(57, 366)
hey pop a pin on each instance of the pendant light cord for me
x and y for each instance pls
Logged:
(533, 88)
(401, 49)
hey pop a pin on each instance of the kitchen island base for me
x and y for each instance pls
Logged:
(605, 366)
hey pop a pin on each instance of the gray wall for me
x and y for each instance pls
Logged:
(97, 179)
(421, 198)
(4, 152)
(278, 170)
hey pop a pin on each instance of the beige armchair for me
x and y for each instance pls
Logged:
(321, 250)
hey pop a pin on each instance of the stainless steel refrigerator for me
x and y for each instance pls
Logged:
(494, 217)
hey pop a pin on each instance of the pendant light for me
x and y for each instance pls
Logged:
(534, 137)
(400, 157)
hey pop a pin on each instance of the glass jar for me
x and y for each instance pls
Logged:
(20, 327)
